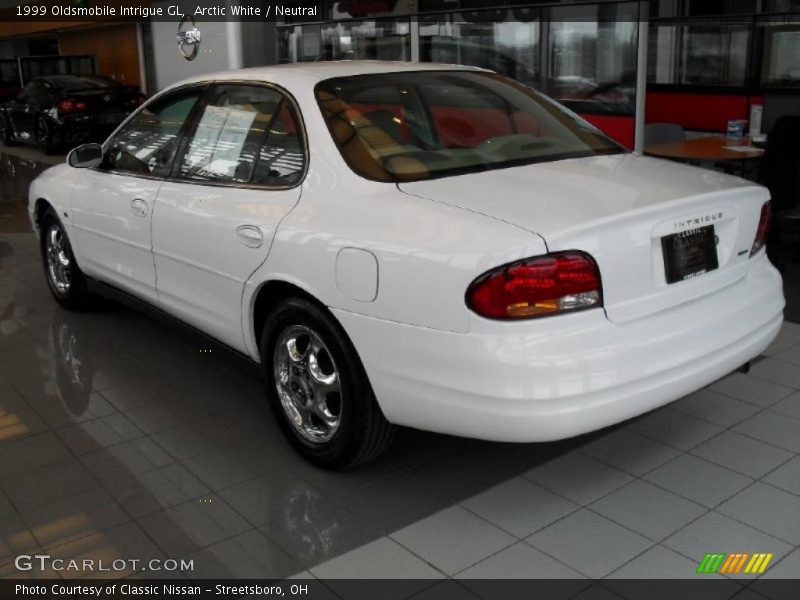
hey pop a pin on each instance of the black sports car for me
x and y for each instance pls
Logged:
(62, 111)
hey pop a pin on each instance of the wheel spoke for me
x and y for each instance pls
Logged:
(294, 352)
(323, 411)
(317, 374)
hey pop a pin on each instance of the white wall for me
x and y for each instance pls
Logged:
(214, 55)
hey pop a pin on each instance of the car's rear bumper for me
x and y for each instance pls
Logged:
(559, 377)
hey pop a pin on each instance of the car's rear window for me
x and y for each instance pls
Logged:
(84, 83)
(416, 125)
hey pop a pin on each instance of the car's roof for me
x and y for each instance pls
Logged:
(311, 73)
(57, 79)
(70, 76)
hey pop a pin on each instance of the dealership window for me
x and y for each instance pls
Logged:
(9, 75)
(505, 41)
(593, 63)
(145, 145)
(781, 58)
(699, 53)
(372, 39)
(720, 7)
(780, 6)
(299, 43)
(36, 66)
(247, 134)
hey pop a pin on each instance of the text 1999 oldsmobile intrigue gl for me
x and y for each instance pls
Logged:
(422, 245)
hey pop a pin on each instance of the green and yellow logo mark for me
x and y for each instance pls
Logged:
(735, 562)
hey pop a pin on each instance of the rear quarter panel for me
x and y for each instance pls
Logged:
(427, 253)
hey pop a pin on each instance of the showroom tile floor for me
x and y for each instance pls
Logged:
(123, 437)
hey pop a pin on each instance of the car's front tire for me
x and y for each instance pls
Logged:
(66, 281)
(318, 389)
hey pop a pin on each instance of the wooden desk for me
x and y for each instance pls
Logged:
(705, 150)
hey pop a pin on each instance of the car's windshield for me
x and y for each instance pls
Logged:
(415, 125)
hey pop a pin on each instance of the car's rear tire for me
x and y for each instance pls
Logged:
(6, 133)
(318, 389)
(66, 281)
(44, 136)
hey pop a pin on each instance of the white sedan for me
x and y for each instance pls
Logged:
(423, 245)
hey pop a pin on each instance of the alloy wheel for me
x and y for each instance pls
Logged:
(59, 265)
(308, 383)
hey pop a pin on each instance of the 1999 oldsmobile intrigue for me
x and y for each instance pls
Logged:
(422, 245)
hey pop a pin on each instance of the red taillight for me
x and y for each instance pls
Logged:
(544, 285)
(68, 105)
(65, 106)
(763, 228)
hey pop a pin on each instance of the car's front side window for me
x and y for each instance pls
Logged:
(147, 143)
(246, 134)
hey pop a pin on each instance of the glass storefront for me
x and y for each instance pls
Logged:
(700, 53)
(506, 41)
(299, 43)
(584, 56)
(593, 63)
(370, 39)
(781, 55)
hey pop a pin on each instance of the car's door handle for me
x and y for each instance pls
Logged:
(250, 235)
(139, 207)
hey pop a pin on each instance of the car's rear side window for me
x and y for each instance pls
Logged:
(245, 134)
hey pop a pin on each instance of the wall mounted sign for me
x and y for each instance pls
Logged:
(188, 38)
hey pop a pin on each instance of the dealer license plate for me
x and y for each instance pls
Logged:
(689, 253)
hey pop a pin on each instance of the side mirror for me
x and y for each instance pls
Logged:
(86, 156)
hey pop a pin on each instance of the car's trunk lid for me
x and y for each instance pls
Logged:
(103, 99)
(617, 208)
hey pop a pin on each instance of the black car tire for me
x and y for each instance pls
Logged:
(76, 295)
(6, 135)
(44, 135)
(363, 432)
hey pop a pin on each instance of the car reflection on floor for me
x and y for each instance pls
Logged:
(77, 364)
(16, 174)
